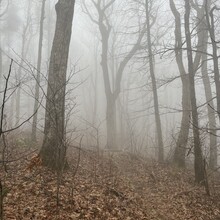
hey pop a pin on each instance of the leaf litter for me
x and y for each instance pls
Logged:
(107, 186)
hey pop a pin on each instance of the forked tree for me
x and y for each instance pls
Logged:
(199, 60)
(53, 151)
(103, 21)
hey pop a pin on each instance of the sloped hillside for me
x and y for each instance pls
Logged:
(106, 186)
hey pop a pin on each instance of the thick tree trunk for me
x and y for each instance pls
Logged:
(53, 151)
(198, 163)
(154, 88)
(37, 86)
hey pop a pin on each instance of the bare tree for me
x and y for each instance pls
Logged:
(211, 28)
(25, 42)
(154, 85)
(111, 93)
(180, 150)
(198, 163)
(203, 46)
(37, 86)
(53, 151)
(3, 11)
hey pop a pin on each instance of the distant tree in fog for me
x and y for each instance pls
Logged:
(37, 86)
(104, 10)
(150, 23)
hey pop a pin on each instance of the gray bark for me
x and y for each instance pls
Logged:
(180, 150)
(198, 162)
(203, 35)
(154, 88)
(37, 86)
(53, 151)
(211, 28)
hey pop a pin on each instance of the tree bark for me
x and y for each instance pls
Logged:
(154, 88)
(208, 91)
(53, 151)
(211, 29)
(37, 86)
(198, 162)
(180, 150)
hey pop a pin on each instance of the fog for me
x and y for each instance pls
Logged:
(134, 125)
(110, 109)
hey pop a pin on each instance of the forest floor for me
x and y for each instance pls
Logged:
(106, 186)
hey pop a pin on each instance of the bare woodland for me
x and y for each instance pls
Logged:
(110, 109)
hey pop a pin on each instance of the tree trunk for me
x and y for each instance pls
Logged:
(211, 29)
(1, 63)
(110, 112)
(24, 48)
(18, 92)
(180, 150)
(154, 88)
(53, 151)
(37, 86)
(211, 114)
(110, 93)
(198, 162)
(209, 98)
(111, 123)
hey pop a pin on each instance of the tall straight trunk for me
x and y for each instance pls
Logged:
(24, 47)
(211, 114)
(154, 88)
(208, 93)
(53, 151)
(37, 86)
(95, 85)
(1, 68)
(49, 29)
(198, 162)
(211, 28)
(18, 92)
